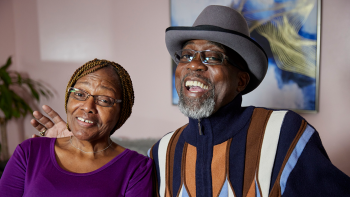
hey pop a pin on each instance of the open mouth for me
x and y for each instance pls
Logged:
(196, 86)
(84, 120)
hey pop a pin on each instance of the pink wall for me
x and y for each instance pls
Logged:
(50, 39)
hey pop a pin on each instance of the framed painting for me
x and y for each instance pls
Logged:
(289, 32)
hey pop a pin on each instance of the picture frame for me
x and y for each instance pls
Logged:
(289, 32)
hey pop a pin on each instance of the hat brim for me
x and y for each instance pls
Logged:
(246, 47)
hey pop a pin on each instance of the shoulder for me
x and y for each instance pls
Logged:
(136, 159)
(164, 141)
(36, 143)
(287, 124)
(32, 149)
(284, 114)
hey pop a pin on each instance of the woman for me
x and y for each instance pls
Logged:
(98, 101)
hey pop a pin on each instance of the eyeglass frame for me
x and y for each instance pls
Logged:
(200, 56)
(93, 96)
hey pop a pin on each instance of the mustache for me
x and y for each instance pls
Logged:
(196, 74)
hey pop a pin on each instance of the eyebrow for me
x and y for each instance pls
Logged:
(103, 87)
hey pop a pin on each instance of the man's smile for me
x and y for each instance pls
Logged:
(196, 86)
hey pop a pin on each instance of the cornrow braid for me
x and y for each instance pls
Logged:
(126, 86)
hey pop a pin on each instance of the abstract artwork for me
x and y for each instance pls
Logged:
(289, 32)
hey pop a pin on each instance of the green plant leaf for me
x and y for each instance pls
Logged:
(6, 101)
(19, 78)
(12, 104)
(32, 89)
(23, 107)
(8, 63)
(4, 75)
(44, 94)
(17, 109)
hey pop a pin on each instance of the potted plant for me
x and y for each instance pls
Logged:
(12, 105)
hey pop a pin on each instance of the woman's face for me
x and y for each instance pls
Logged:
(87, 120)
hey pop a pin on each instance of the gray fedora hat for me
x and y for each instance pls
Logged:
(226, 26)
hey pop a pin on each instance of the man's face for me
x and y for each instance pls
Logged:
(221, 83)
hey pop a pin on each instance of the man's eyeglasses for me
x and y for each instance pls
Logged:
(207, 57)
(81, 95)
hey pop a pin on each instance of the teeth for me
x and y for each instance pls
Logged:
(83, 120)
(189, 83)
(196, 83)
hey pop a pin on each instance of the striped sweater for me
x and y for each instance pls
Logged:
(246, 151)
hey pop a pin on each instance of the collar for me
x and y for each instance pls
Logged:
(222, 125)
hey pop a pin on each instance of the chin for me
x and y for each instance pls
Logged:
(197, 108)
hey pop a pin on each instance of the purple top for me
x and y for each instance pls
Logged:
(33, 171)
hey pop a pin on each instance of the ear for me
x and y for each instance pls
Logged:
(243, 78)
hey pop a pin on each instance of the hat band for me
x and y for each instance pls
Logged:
(217, 29)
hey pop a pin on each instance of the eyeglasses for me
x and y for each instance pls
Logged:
(207, 57)
(81, 95)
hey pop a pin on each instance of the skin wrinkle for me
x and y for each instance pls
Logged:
(102, 86)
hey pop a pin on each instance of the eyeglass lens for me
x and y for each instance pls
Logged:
(207, 57)
(81, 95)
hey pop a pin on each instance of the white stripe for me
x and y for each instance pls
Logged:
(162, 149)
(149, 153)
(230, 190)
(268, 150)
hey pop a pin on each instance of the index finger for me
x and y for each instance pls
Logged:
(52, 114)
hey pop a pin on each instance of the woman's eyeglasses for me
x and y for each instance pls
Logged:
(81, 95)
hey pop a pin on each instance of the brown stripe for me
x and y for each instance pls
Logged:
(276, 189)
(228, 164)
(255, 137)
(183, 166)
(218, 171)
(251, 191)
(154, 176)
(190, 170)
(170, 161)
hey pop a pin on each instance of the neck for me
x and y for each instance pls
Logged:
(223, 124)
(91, 147)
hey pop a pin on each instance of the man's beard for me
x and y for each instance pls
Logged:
(196, 108)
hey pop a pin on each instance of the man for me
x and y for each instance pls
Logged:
(226, 149)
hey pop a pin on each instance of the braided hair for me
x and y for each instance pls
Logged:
(126, 86)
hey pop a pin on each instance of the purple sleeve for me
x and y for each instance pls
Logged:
(141, 181)
(13, 178)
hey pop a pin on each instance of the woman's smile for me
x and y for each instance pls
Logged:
(85, 122)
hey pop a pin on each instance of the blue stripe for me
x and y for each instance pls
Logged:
(295, 156)
(224, 190)
(257, 191)
(184, 191)
(289, 130)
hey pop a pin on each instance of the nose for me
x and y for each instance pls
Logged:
(196, 64)
(89, 105)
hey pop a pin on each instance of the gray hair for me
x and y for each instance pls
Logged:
(197, 108)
